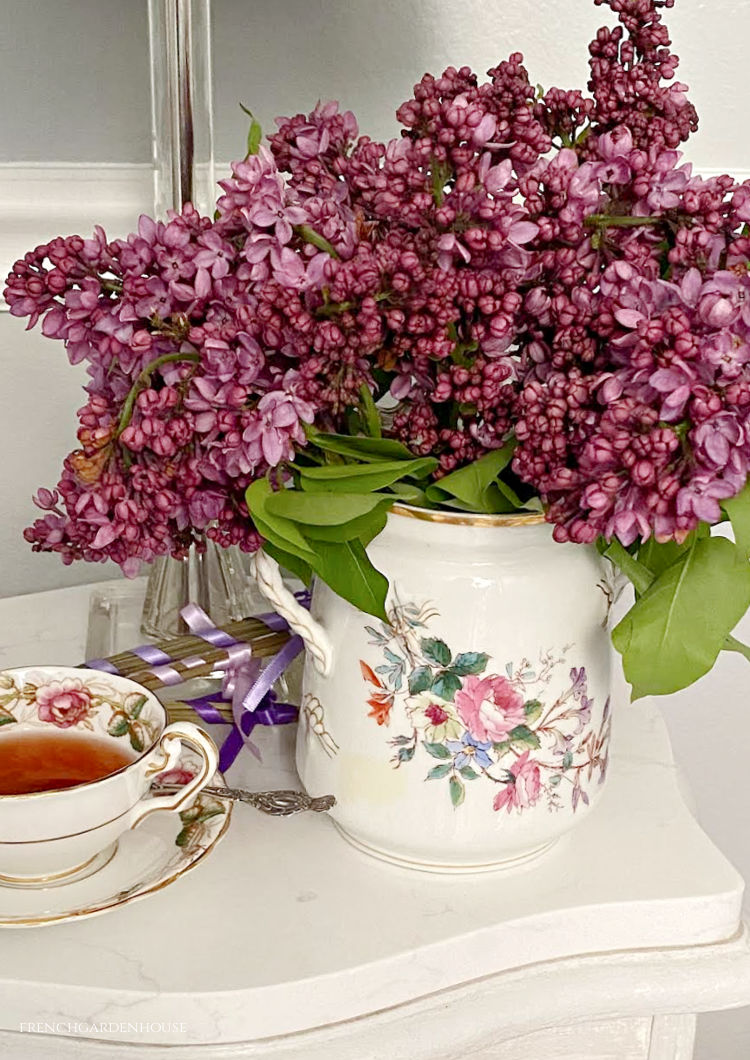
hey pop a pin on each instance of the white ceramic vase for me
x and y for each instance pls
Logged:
(473, 730)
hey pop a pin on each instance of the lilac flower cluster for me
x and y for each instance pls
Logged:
(537, 263)
(633, 414)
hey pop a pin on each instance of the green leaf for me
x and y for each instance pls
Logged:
(640, 576)
(320, 509)
(457, 790)
(468, 773)
(363, 478)
(509, 494)
(463, 506)
(523, 736)
(346, 568)
(438, 772)
(732, 644)
(436, 650)
(738, 510)
(373, 450)
(290, 562)
(533, 710)
(279, 531)
(657, 556)
(472, 485)
(365, 528)
(469, 662)
(446, 684)
(342, 565)
(6, 719)
(118, 726)
(369, 413)
(420, 680)
(183, 838)
(135, 741)
(437, 750)
(405, 754)
(674, 632)
(255, 133)
(408, 493)
(209, 812)
(140, 703)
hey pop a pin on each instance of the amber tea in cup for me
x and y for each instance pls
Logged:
(51, 761)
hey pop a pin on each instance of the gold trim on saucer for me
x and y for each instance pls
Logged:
(125, 897)
(430, 515)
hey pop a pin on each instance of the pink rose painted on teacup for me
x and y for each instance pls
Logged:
(174, 776)
(490, 707)
(64, 703)
(523, 787)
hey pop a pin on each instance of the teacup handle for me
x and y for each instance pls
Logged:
(166, 755)
(267, 575)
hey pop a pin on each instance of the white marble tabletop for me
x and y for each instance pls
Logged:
(285, 927)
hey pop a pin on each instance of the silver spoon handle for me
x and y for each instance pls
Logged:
(276, 803)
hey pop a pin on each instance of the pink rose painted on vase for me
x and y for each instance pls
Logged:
(523, 788)
(490, 707)
(524, 732)
(64, 703)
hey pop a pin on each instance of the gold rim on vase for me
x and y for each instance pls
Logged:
(431, 515)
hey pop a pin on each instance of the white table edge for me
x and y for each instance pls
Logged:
(685, 979)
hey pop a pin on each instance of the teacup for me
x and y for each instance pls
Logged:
(53, 836)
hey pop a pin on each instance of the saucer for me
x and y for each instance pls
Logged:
(144, 860)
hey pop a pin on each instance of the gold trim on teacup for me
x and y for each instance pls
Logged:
(158, 767)
(71, 835)
(19, 882)
(430, 515)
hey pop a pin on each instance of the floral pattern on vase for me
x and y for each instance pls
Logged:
(455, 713)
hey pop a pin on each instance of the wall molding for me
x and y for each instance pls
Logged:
(44, 199)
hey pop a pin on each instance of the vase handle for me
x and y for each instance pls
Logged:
(267, 575)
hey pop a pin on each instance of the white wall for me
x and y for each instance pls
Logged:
(280, 56)
(73, 86)
(74, 81)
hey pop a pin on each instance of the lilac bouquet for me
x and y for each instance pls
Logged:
(527, 300)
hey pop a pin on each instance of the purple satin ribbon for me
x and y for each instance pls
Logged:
(254, 701)
(249, 687)
(269, 712)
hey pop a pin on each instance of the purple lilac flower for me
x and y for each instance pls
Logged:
(545, 266)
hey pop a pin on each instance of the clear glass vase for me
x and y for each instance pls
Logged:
(182, 107)
(214, 578)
